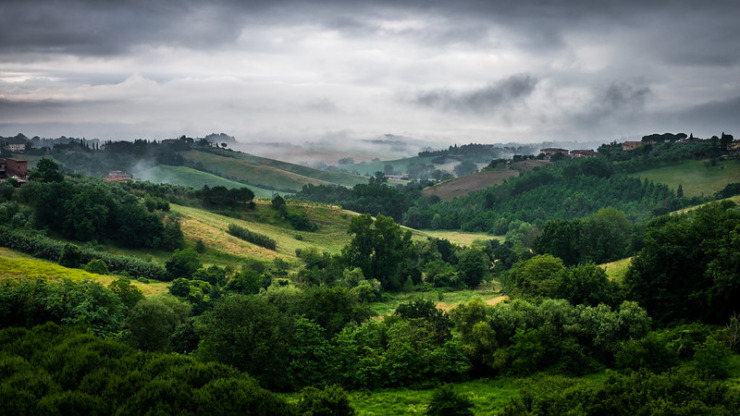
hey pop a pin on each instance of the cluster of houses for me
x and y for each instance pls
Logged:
(549, 152)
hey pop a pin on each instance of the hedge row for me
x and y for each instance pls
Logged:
(251, 236)
(43, 247)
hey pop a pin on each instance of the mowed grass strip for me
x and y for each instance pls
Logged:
(14, 266)
(695, 177)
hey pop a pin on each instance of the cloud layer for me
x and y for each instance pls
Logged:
(437, 71)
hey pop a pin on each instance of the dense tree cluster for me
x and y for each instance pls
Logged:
(689, 266)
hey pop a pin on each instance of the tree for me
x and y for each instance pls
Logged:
(71, 256)
(183, 263)
(380, 248)
(250, 334)
(473, 266)
(465, 168)
(534, 276)
(694, 256)
(129, 294)
(46, 171)
(152, 322)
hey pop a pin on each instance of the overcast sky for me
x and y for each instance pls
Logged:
(439, 71)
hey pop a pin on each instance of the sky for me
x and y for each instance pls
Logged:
(487, 71)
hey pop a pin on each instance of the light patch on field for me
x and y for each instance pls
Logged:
(616, 270)
(461, 238)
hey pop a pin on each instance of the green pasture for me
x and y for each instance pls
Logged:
(256, 174)
(15, 266)
(211, 228)
(462, 238)
(695, 176)
(185, 176)
(616, 270)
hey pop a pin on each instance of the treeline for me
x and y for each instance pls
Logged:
(663, 150)
(565, 190)
(40, 246)
(88, 210)
(252, 237)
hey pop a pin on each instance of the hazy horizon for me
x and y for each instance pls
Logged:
(433, 72)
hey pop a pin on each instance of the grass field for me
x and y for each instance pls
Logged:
(185, 176)
(14, 266)
(461, 238)
(333, 177)
(617, 269)
(211, 229)
(261, 174)
(695, 178)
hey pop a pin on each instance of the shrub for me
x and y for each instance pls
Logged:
(252, 237)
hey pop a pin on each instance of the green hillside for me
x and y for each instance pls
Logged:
(697, 177)
(265, 172)
(185, 176)
(211, 228)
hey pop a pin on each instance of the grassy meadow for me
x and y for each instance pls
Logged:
(185, 176)
(261, 174)
(211, 229)
(695, 177)
(461, 238)
(15, 266)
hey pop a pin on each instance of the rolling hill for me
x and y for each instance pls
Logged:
(265, 173)
(696, 177)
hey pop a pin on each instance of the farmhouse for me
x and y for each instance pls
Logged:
(117, 176)
(583, 153)
(14, 168)
(552, 151)
(15, 147)
(634, 145)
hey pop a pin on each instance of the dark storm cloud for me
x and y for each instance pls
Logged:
(503, 93)
(613, 103)
(687, 31)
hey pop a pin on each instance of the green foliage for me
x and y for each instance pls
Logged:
(172, 236)
(636, 393)
(29, 303)
(247, 282)
(713, 358)
(200, 246)
(522, 338)
(585, 284)
(651, 353)
(689, 265)
(534, 276)
(129, 294)
(252, 237)
(331, 401)
(46, 171)
(473, 266)
(152, 322)
(43, 247)
(71, 256)
(97, 266)
(183, 264)
(53, 370)
(250, 334)
(446, 402)
(380, 248)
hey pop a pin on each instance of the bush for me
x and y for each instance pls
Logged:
(331, 401)
(445, 402)
(252, 237)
